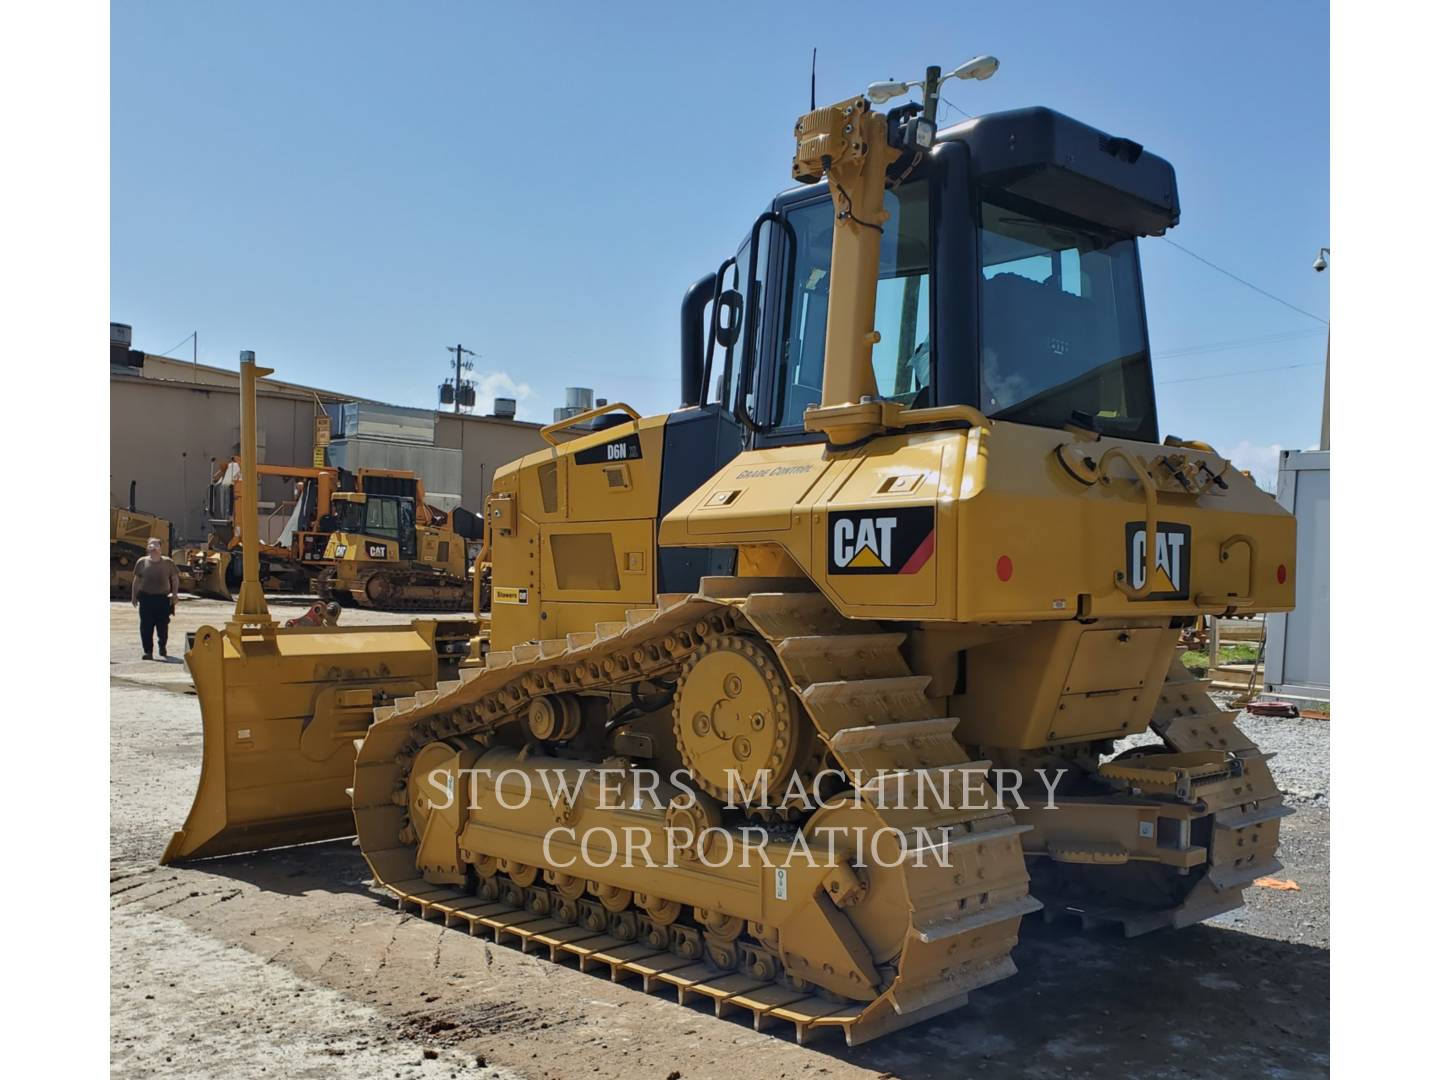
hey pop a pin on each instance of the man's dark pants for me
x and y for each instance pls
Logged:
(154, 619)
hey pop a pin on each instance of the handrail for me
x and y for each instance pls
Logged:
(1152, 514)
(589, 414)
(1234, 601)
(752, 327)
(940, 414)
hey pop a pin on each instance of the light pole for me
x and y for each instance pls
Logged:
(1321, 264)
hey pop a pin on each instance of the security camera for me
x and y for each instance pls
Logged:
(1321, 262)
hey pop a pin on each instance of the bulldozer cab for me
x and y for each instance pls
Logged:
(1009, 282)
(372, 528)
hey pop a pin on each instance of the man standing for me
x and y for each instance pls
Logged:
(154, 591)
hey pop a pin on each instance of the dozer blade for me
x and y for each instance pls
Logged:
(212, 576)
(280, 713)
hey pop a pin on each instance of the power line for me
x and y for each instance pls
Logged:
(177, 344)
(1234, 374)
(1236, 343)
(1193, 255)
(1247, 284)
(957, 108)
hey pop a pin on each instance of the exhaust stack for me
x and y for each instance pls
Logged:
(692, 340)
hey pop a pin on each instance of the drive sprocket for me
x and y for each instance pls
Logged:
(740, 731)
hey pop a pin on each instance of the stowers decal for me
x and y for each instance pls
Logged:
(895, 541)
(626, 449)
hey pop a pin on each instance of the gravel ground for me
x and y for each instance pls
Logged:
(1301, 767)
(286, 962)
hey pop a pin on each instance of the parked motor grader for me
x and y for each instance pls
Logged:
(913, 521)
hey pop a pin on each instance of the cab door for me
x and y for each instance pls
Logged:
(407, 529)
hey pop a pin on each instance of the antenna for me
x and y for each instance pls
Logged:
(813, 53)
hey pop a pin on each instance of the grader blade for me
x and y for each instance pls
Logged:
(280, 713)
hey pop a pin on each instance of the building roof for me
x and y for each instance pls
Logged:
(170, 370)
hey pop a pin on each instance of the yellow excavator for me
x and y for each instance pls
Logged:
(897, 588)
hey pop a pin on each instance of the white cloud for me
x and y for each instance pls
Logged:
(1262, 460)
(495, 384)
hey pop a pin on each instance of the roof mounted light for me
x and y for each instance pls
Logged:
(982, 67)
(880, 92)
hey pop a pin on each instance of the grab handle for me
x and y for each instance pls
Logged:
(547, 432)
(1234, 601)
(1152, 514)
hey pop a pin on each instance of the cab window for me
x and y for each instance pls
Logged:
(381, 516)
(1062, 327)
(901, 360)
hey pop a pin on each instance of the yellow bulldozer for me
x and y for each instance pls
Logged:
(202, 571)
(800, 697)
(391, 551)
(290, 561)
(130, 532)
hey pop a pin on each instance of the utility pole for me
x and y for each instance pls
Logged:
(1321, 264)
(461, 389)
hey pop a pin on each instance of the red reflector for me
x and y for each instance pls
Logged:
(1004, 568)
(1280, 573)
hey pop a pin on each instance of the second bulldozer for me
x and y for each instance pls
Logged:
(391, 551)
(896, 584)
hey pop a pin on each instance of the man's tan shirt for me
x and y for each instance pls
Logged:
(155, 577)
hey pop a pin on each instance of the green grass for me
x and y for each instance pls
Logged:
(1243, 653)
(1239, 654)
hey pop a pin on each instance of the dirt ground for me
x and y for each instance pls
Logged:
(287, 963)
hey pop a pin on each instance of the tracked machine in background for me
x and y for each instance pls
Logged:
(201, 570)
(391, 551)
(295, 554)
(130, 532)
(913, 521)
(363, 539)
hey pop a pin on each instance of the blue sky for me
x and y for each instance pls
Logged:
(347, 188)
